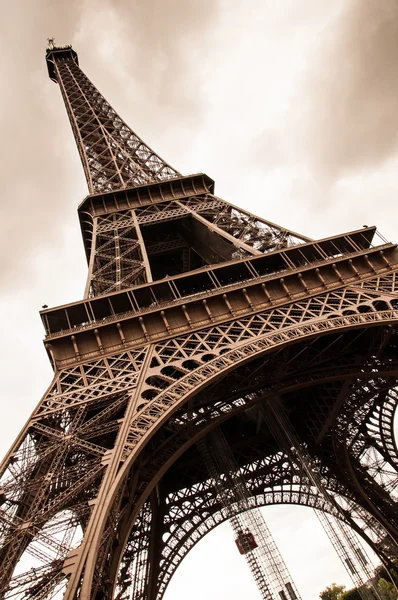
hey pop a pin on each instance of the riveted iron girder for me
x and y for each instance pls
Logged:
(197, 314)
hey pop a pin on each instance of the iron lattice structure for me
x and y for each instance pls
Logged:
(252, 535)
(196, 315)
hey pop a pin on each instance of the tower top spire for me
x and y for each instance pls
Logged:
(113, 155)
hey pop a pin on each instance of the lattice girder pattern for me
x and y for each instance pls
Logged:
(61, 458)
(188, 504)
(251, 531)
(113, 156)
(101, 387)
(189, 518)
(118, 262)
(197, 314)
(126, 245)
(340, 376)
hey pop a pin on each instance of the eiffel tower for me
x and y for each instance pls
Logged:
(197, 314)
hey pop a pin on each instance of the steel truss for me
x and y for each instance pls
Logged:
(122, 257)
(196, 314)
(252, 534)
(352, 554)
(83, 409)
(113, 156)
(347, 545)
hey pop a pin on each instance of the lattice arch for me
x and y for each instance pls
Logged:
(162, 378)
(164, 403)
(197, 314)
(175, 552)
(345, 324)
(191, 514)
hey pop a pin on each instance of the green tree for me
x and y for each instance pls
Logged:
(386, 590)
(332, 592)
(350, 595)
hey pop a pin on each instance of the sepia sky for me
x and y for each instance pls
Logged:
(290, 105)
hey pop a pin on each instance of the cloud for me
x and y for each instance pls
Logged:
(34, 182)
(333, 140)
(198, 78)
(144, 52)
(156, 49)
(353, 88)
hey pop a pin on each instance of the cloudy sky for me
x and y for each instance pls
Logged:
(290, 105)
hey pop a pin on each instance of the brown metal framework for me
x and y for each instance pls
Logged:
(252, 535)
(196, 315)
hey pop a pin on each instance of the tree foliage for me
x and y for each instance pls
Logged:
(350, 595)
(386, 590)
(332, 592)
